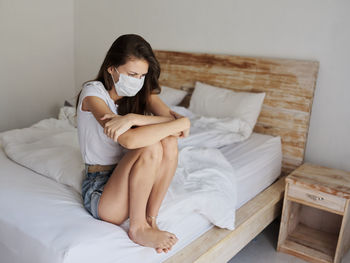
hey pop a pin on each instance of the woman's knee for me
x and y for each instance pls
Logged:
(116, 218)
(170, 147)
(152, 153)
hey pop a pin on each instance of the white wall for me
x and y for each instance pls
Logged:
(47, 51)
(313, 29)
(36, 60)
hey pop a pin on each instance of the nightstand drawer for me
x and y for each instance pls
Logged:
(318, 198)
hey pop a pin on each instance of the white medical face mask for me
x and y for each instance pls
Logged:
(128, 86)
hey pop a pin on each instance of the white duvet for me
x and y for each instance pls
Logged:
(202, 182)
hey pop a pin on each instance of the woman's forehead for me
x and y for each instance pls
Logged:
(139, 66)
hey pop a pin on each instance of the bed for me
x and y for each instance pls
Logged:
(289, 85)
(276, 147)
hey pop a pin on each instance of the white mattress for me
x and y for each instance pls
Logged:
(44, 221)
(257, 163)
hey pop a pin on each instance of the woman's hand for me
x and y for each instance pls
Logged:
(177, 135)
(184, 133)
(117, 125)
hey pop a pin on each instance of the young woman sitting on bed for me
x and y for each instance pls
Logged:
(130, 155)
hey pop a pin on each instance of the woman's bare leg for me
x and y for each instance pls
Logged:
(165, 175)
(114, 202)
(138, 200)
(133, 179)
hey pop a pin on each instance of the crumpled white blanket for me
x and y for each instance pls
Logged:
(212, 132)
(49, 147)
(202, 182)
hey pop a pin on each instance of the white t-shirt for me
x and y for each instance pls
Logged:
(95, 146)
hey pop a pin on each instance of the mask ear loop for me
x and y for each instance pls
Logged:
(112, 76)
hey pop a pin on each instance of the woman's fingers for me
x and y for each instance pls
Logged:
(175, 114)
(112, 133)
(115, 135)
(107, 116)
(178, 134)
(109, 132)
(116, 126)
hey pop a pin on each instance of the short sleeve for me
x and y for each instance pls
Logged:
(93, 88)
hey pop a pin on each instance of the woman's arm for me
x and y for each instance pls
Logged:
(149, 134)
(163, 114)
(97, 107)
(158, 107)
(117, 125)
(137, 119)
(140, 136)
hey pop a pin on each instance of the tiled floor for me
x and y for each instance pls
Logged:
(262, 249)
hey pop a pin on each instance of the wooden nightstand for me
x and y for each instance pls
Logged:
(315, 223)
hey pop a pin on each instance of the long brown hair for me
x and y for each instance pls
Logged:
(127, 47)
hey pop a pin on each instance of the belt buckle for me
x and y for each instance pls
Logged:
(99, 168)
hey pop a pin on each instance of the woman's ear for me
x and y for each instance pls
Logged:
(110, 69)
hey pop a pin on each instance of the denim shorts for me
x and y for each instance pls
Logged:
(92, 188)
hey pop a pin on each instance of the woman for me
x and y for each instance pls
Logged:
(130, 154)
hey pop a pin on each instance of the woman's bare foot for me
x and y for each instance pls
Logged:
(151, 220)
(147, 236)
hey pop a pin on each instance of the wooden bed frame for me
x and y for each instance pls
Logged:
(289, 86)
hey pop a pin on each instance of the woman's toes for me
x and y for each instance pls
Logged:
(159, 250)
(169, 244)
(173, 236)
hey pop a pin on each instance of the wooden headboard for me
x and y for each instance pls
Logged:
(289, 85)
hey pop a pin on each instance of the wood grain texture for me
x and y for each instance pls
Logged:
(322, 233)
(289, 219)
(317, 199)
(312, 238)
(332, 181)
(289, 86)
(344, 236)
(345, 231)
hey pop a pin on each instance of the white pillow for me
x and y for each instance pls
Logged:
(170, 96)
(49, 147)
(217, 102)
(68, 113)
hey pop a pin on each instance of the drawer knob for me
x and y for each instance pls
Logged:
(314, 197)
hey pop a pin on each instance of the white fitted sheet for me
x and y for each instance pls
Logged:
(44, 221)
(257, 162)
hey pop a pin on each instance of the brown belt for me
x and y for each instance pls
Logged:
(99, 168)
